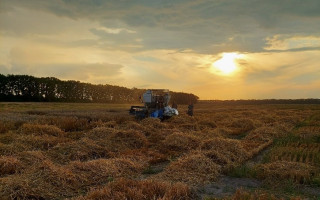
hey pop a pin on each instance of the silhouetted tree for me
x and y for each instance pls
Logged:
(29, 88)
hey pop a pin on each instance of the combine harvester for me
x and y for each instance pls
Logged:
(156, 104)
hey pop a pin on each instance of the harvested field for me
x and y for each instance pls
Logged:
(40, 130)
(194, 168)
(140, 190)
(9, 165)
(180, 142)
(100, 171)
(42, 181)
(100, 152)
(281, 170)
(81, 150)
(229, 148)
(257, 195)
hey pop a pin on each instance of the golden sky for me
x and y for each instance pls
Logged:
(216, 49)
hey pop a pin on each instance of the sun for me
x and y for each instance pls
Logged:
(226, 65)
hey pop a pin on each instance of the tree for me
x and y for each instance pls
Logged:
(29, 88)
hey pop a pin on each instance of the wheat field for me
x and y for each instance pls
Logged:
(98, 151)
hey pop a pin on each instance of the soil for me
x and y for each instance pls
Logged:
(226, 186)
(154, 169)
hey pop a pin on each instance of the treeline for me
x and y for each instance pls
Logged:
(263, 101)
(50, 89)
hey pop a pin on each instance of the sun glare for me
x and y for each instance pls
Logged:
(227, 64)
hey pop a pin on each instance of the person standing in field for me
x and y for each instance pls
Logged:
(190, 109)
(174, 105)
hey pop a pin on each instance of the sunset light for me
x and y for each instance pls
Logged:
(159, 99)
(191, 46)
(227, 64)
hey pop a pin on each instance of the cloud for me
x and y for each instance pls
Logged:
(167, 44)
(282, 71)
(281, 42)
(204, 26)
(72, 63)
(95, 73)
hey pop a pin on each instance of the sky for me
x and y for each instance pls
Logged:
(216, 49)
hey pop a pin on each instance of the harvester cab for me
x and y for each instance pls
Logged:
(156, 104)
